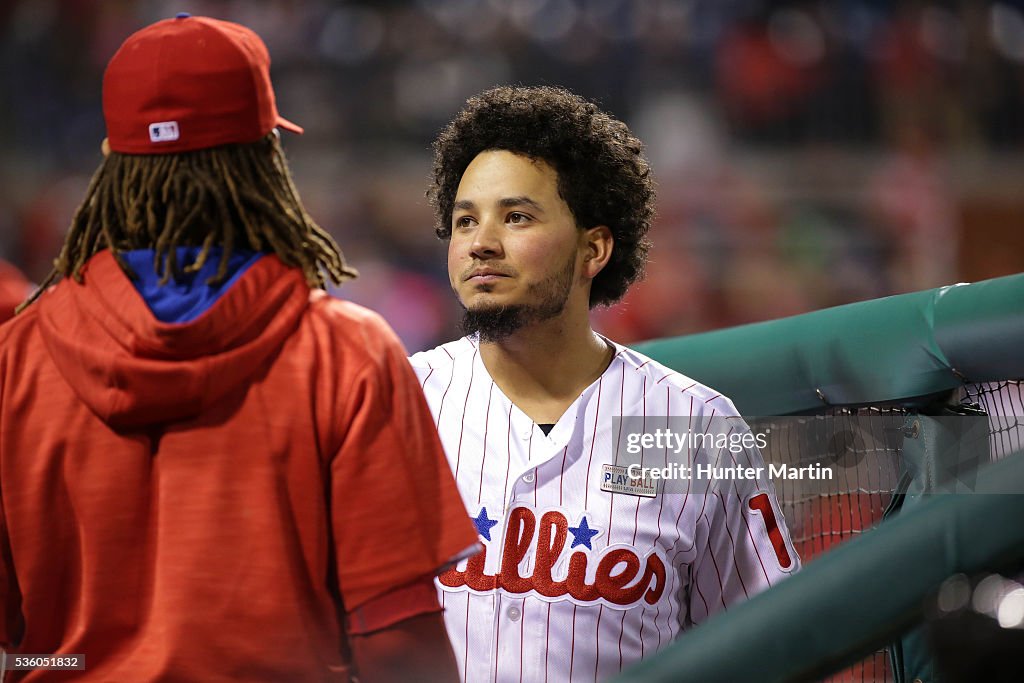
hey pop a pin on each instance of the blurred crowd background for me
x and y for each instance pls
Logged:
(807, 154)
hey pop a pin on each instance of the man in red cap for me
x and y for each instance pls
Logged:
(211, 470)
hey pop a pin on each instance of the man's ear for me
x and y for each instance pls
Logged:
(105, 148)
(597, 244)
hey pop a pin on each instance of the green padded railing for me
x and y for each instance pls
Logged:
(886, 350)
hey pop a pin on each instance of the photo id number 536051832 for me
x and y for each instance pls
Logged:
(26, 662)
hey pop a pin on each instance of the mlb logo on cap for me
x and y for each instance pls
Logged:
(189, 83)
(165, 131)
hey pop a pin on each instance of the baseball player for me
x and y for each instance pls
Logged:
(545, 202)
(210, 469)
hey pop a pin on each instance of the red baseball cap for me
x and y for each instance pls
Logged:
(189, 83)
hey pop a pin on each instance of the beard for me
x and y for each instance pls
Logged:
(497, 323)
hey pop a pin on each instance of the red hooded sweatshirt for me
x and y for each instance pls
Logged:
(14, 289)
(201, 501)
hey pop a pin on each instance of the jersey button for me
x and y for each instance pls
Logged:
(528, 477)
(514, 613)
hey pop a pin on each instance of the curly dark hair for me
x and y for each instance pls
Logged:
(602, 174)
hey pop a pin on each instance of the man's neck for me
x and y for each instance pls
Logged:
(543, 368)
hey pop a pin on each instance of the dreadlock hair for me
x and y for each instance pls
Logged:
(233, 196)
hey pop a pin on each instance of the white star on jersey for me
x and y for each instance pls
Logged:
(577, 582)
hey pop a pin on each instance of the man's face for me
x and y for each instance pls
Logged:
(512, 258)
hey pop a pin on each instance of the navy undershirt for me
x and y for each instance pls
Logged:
(547, 428)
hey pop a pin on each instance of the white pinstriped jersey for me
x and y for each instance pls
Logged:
(577, 582)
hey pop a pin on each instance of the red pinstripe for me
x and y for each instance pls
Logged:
(440, 406)
(561, 479)
(529, 456)
(465, 663)
(487, 421)
(718, 572)
(547, 643)
(508, 462)
(572, 643)
(593, 437)
(694, 540)
(696, 576)
(462, 429)
(497, 635)
(735, 563)
(522, 625)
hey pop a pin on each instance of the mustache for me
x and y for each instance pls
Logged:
(497, 270)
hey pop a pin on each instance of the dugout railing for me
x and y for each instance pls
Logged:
(891, 368)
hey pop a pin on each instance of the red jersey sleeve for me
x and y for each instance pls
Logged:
(396, 512)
